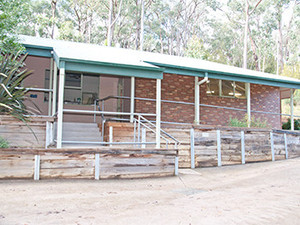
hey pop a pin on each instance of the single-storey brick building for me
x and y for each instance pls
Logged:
(83, 81)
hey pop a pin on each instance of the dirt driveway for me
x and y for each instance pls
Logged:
(261, 193)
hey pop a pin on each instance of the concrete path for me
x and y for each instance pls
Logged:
(260, 193)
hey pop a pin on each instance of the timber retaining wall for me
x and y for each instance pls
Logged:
(101, 163)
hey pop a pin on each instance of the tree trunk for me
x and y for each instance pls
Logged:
(280, 48)
(53, 6)
(109, 23)
(142, 26)
(246, 34)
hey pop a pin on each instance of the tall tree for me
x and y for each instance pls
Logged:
(248, 12)
(11, 16)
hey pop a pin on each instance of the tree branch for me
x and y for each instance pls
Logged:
(255, 7)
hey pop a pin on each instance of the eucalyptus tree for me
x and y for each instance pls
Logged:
(11, 17)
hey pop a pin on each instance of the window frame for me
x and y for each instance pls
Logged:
(79, 88)
(221, 90)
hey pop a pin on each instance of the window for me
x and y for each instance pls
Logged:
(225, 88)
(47, 85)
(81, 89)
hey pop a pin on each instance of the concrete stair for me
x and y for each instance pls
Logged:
(85, 132)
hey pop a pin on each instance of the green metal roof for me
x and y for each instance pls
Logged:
(92, 58)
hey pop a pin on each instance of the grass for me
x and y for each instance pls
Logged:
(255, 122)
(3, 143)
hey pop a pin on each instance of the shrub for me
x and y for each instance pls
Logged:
(12, 75)
(3, 143)
(287, 125)
(255, 122)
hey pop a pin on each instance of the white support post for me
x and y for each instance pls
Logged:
(197, 101)
(144, 137)
(54, 97)
(110, 135)
(50, 87)
(248, 93)
(243, 146)
(158, 112)
(97, 166)
(48, 134)
(132, 99)
(192, 134)
(60, 105)
(272, 146)
(292, 109)
(219, 148)
(285, 147)
(176, 166)
(36, 167)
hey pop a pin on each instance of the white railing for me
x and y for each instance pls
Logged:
(139, 122)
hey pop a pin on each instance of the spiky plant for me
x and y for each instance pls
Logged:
(12, 74)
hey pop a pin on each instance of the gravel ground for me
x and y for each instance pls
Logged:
(258, 193)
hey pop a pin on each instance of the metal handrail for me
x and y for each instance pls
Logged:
(34, 89)
(149, 128)
(191, 103)
(161, 130)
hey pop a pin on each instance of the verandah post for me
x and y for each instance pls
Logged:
(132, 90)
(292, 109)
(54, 89)
(158, 112)
(197, 101)
(248, 93)
(60, 104)
(50, 87)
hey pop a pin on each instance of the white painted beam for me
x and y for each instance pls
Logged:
(286, 147)
(110, 135)
(272, 146)
(54, 89)
(176, 166)
(248, 94)
(97, 166)
(197, 101)
(36, 167)
(132, 90)
(192, 134)
(144, 137)
(158, 112)
(243, 146)
(219, 148)
(60, 106)
(292, 109)
(50, 87)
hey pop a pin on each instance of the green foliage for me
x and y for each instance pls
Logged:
(287, 125)
(11, 12)
(3, 143)
(12, 75)
(235, 122)
(255, 122)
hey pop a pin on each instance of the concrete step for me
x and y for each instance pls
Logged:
(81, 132)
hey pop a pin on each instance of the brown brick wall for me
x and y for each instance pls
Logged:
(181, 88)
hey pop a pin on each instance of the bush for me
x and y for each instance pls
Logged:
(255, 122)
(12, 74)
(287, 125)
(3, 143)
